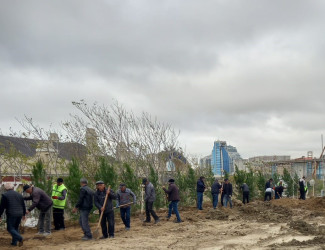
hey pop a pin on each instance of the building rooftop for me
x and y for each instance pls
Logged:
(28, 147)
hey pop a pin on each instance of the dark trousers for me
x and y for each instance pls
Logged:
(302, 194)
(199, 200)
(125, 215)
(222, 197)
(173, 206)
(58, 218)
(108, 217)
(245, 197)
(226, 200)
(13, 229)
(215, 198)
(268, 196)
(149, 211)
(277, 196)
(84, 223)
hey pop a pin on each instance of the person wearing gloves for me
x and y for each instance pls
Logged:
(173, 197)
(124, 196)
(44, 203)
(59, 198)
(108, 212)
(227, 189)
(13, 203)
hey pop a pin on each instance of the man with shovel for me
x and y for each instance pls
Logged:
(124, 203)
(14, 205)
(106, 209)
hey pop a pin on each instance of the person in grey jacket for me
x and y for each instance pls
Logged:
(85, 204)
(124, 196)
(150, 197)
(245, 190)
(14, 204)
(44, 203)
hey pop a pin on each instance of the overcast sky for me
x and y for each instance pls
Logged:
(247, 72)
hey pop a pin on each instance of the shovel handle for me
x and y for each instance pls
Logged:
(101, 214)
(125, 205)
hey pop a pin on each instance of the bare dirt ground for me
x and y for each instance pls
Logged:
(280, 224)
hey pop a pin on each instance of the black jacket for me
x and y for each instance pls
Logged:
(215, 189)
(227, 189)
(200, 186)
(279, 190)
(86, 198)
(100, 199)
(13, 203)
(269, 185)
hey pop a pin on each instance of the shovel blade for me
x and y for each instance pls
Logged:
(96, 234)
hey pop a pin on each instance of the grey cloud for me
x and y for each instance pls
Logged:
(250, 72)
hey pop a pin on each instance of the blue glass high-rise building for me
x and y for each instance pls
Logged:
(220, 160)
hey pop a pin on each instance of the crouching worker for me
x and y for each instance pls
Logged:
(14, 205)
(124, 196)
(108, 212)
(44, 203)
(173, 197)
(85, 204)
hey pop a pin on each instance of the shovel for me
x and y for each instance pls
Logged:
(141, 217)
(96, 232)
(124, 205)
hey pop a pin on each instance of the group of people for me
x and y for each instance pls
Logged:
(225, 189)
(13, 203)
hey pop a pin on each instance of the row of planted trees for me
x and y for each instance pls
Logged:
(115, 173)
(256, 181)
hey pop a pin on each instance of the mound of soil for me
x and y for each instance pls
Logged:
(303, 227)
(317, 241)
(266, 212)
(316, 204)
(217, 214)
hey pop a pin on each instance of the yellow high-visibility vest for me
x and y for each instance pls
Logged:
(57, 191)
